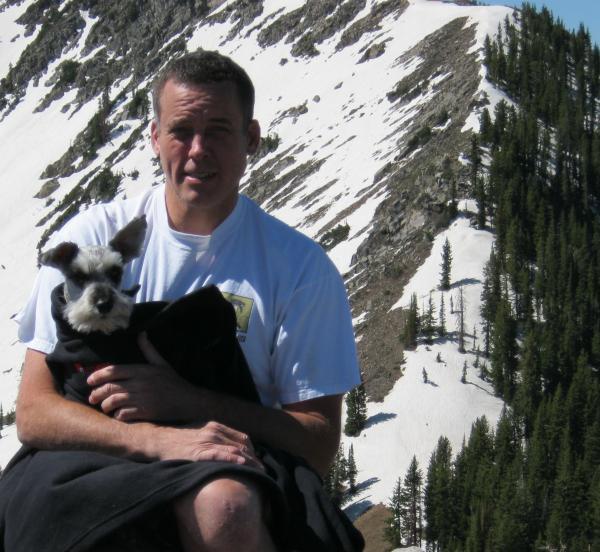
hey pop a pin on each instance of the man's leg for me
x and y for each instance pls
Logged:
(222, 516)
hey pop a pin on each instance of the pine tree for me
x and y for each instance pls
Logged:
(428, 325)
(411, 326)
(463, 378)
(351, 471)
(483, 371)
(529, 393)
(460, 315)
(595, 513)
(356, 411)
(411, 505)
(439, 507)
(504, 352)
(442, 320)
(98, 129)
(475, 161)
(393, 529)
(333, 483)
(490, 296)
(1, 419)
(481, 200)
(446, 266)
(425, 376)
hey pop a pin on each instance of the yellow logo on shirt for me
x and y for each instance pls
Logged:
(243, 309)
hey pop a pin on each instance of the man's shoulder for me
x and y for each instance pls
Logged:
(279, 233)
(287, 247)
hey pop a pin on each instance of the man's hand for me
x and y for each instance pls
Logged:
(213, 441)
(139, 392)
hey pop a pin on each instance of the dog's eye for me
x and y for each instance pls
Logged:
(79, 278)
(114, 274)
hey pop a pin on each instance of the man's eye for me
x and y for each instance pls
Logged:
(217, 131)
(181, 132)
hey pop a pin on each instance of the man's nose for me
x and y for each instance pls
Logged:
(198, 145)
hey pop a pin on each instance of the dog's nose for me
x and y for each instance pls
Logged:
(103, 300)
(104, 306)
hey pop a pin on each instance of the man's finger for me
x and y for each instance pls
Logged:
(101, 393)
(130, 414)
(229, 433)
(114, 402)
(230, 454)
(110, 373)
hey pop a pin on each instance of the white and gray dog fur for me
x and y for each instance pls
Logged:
(94, 300)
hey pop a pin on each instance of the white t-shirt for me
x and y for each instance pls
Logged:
(294, 323)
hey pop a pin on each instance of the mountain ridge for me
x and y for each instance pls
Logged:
(364, 140)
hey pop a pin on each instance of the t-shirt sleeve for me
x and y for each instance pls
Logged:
(315, 351)
(36, 325)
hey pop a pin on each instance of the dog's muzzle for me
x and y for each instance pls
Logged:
(103, 299)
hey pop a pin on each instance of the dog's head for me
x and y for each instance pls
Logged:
(94, 300)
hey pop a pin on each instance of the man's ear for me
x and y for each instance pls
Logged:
(253, 136)
(60, 256)
(154, 136)
(128, 241)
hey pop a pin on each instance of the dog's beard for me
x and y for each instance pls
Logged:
(83, 316)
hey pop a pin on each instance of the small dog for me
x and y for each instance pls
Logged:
(94, 301)
(97, 323)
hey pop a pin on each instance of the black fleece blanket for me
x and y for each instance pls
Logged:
(80, 501)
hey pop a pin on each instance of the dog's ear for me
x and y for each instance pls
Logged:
(128, 241)
(61, 256)
(131, 291)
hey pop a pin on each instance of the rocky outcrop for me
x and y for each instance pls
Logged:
(124, 35)
(311, 24)
(370, 23)
(416, 207)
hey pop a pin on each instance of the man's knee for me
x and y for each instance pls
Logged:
(232, 500)
(227, 509)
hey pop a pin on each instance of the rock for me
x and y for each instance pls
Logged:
(47, 189)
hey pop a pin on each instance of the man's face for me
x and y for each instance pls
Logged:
(202, 143)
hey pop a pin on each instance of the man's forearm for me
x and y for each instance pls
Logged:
(156, 393)
(310, 429)
(56, 423)
(46, 420)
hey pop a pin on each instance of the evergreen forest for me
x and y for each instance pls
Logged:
(533, 482)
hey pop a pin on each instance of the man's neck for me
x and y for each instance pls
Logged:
(197, 220)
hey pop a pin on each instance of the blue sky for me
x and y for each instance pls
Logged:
(571, 12)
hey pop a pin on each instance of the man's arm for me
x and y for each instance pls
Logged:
(154, 392)
(46, 420)
(310, 429)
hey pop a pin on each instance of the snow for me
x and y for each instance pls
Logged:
(349, 128)
(412, 417)
(9, 444)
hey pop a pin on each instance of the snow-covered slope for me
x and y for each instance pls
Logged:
(415, 414)
(340, 131)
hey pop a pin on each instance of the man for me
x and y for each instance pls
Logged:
(294, 324)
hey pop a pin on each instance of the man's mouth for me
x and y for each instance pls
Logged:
(200, 176)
